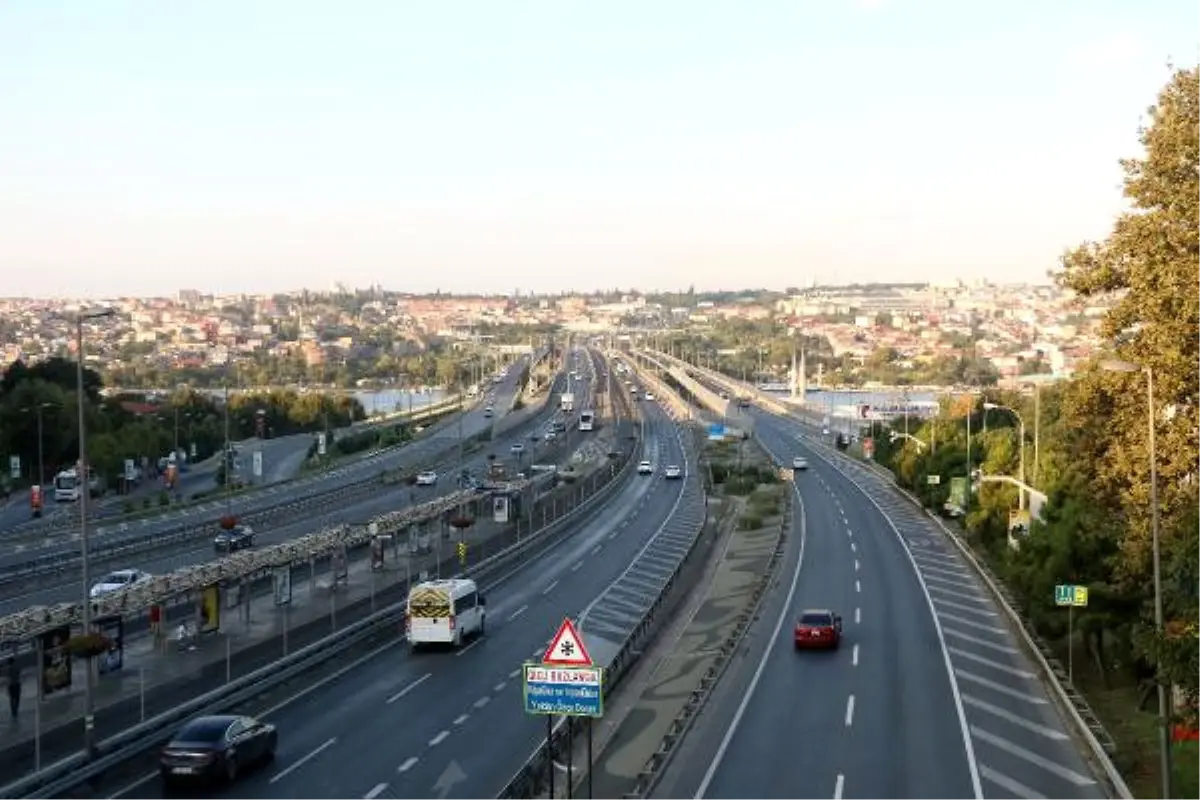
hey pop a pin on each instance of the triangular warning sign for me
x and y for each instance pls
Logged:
(566, 648)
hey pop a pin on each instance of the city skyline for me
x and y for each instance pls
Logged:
(551, 148)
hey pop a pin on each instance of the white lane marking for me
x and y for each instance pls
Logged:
(849, 532)
(468, 647)
(857, 586)
(514, 673)
(964, 595)
(1020, 673)
(596, 549)
(1008, 784)
(857, 616)
(549, 588)
(970, 623)
(1015, 719)
(968, 744)
(461, 718)
(576, 566)
(983, 612)
(518, 613)
(853, 547)
(441, 737)
(856, 565)
(408, 764)
(304, 759)
(483, 701)
(379, 789)
(966, 637)
(499, 687)
(1033, 758)
(999, 687)
(409, 688)
(838, 786)
(849, 711)
(854, 656)
(784, 613)
(940, 559)
(953, 573)
(960, 584)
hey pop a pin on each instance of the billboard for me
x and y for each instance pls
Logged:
(112, 659)
(210, 608)
(500, 508)
(54, 674)
(283, 586)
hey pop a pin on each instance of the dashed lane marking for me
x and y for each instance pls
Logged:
(549, 588)
(849, 711)
(857, 616)
(408, 764)
(441, 737)
(858, 586)
(518, 612)
(514, 673)
(409, 688)
(483, 701)
(575, 567)
(853, 547)
(856, 565)
(854, 656)
(464, 650)
(499, 687)
(304, 759)
(838, 786)
(461, 718)
(379, 789)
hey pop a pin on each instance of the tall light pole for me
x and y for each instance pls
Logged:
(1164, 711)
(89, 718)
(37, 409)
(1021, 445)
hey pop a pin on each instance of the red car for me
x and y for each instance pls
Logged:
(818, 629)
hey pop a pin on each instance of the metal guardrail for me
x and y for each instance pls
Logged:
(527, 782)
(73, 771)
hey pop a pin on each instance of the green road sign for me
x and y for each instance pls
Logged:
(1066, 594)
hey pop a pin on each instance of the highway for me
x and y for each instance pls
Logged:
(451, 723)
(353, 471)
(928, 695)
(385, 500)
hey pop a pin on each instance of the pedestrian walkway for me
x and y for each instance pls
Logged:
(142, 686)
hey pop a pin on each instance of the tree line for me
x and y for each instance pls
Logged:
(120, 426)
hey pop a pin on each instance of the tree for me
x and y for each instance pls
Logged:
(1151, 263)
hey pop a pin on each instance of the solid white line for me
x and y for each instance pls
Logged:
(576, 566)
(300, 762)
(857, 616)
(409, 688)
(441, 737)
(549, 588)
(518, 612)
(849, 711)
(784, 613)
(838, 786)
(468, 647)
(857, 586)
(408, 764)
(379, 789)
(461, 718)
(854, 656)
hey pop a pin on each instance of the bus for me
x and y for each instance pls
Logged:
(66, 486)
(587, 420)
(444, 612)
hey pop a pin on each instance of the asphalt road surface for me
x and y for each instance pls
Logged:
(928, 695)
(404, 725)
(162, 563)
(473, 422)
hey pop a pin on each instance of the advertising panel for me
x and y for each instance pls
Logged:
(210, 608)
(55, 673)
(283, 586)
(112, 659)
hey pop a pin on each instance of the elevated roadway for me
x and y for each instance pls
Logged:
(164, 562)
(452, 723)
(930, 694)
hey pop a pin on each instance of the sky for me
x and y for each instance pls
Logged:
(270, 145)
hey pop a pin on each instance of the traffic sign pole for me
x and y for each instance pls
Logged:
(1071, 644)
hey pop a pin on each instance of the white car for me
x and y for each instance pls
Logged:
(644, 468)
(673, 472)
(427, 478)
(517, 448)
(799, 463)
(650, 397)
(118, 580)
(488, 412)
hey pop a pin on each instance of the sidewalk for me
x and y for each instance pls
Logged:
(647, 708)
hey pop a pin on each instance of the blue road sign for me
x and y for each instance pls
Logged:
(571, 691)
(716, 432)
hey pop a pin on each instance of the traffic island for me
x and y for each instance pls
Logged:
(651, 712)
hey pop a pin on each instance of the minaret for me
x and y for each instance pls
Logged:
(793, 377)
(802, 379)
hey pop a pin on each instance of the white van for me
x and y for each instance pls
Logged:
(444, 612)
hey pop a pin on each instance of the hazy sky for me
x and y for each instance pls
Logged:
(503, 144)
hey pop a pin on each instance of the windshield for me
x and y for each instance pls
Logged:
(117, 577)
(817, 620)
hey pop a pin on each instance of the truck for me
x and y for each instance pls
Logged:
(567, 401)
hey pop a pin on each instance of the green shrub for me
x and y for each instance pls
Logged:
(749, 522)
(164, 499)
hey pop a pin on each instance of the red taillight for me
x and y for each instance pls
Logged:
(451, 623)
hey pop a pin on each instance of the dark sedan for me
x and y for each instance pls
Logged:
(236, 538)
(216, 748)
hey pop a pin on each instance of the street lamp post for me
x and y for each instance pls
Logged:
(89, 719)
(37, 410)
(1020, 447)
(1164, 711)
